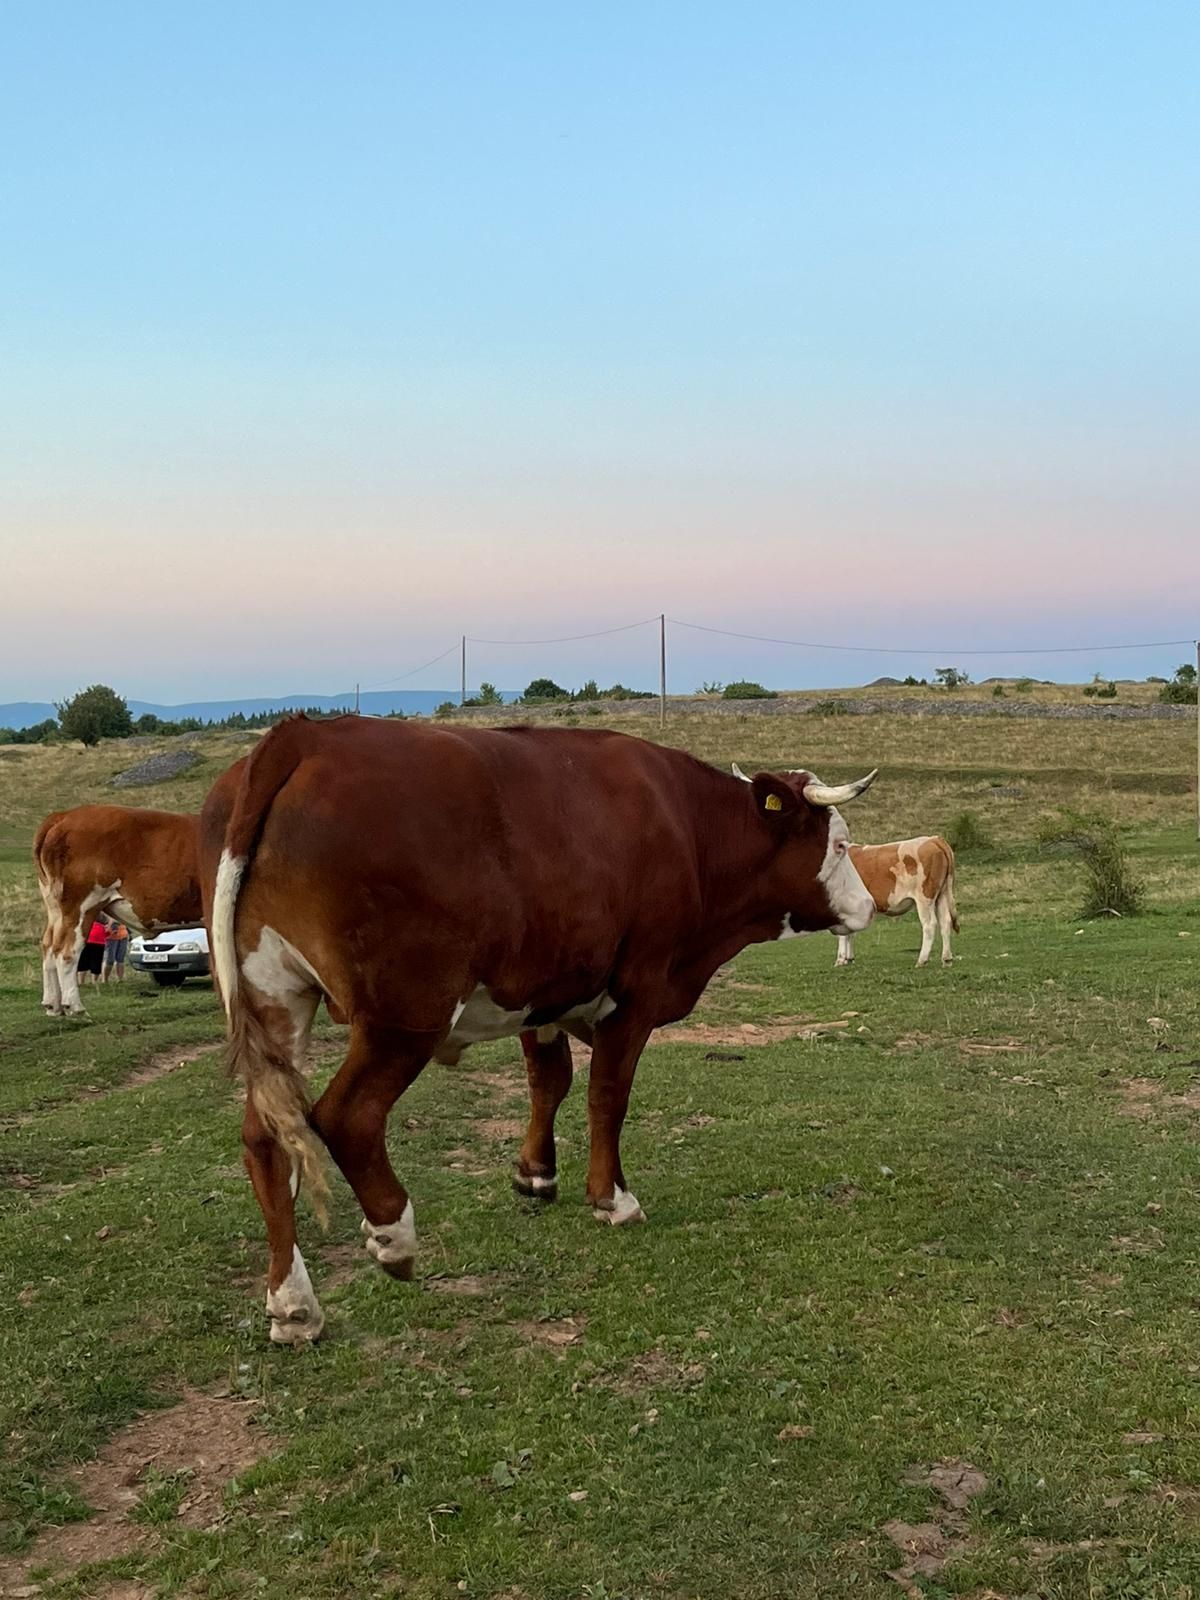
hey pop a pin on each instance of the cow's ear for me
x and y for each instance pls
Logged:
(773, 794)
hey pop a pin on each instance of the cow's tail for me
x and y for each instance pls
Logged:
(259, 1054)
(40, 852)
(947, 893)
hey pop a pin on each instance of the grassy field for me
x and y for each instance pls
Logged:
(963, 1228)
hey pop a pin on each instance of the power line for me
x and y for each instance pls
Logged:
(626, 627)
(400, 676)
(933, 650)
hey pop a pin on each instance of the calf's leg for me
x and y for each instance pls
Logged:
(549, 1070)
(928, 928)
(945, 925)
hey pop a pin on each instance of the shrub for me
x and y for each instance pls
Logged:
(590, 691)
(488, 695)
(744, 690)
(830, 708)
(1023, 685)
(715, 687)
(545, 689)
(910, 682)
(1181, 691)
(998, 692)
(446, 708)
(952, 677)
(94, 714)
(1106, 691)
(966, 832)
(1111, 887)
(620, 692)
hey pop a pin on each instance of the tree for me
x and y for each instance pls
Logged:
(1185, 673)
(94, 714)
(951, 677)
(545, 689)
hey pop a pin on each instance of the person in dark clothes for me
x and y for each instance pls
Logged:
(91, 957)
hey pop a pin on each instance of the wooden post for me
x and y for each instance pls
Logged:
(462, 700)
(662, 670)
(1198, 738)
(355, 699)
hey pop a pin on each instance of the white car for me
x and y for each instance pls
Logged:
(170, 958)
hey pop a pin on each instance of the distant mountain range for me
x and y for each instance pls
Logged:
(413, 702)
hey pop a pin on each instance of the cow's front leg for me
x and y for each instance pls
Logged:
(295, 1316)
(618, 1046)
(549, 1070)
(845, 953)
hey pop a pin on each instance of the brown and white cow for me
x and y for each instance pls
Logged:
(899, 876)
(141, 866)
(440, 887)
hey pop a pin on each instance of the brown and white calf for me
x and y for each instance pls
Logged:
(899, 876)
(444, 886)
(140, 866)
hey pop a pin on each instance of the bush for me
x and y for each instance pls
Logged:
(620, 692)
(830, 708)
(488, 695)
(1111, 887)
(590, 691)
(966, 832)
(447, 708)
(912, 683)
(744, 690)
(998, 692)
(94, 714)
(952, 677)
(715, 687)
(545, 689)
(1181, 691)
(1023, 685)
(1106, 691)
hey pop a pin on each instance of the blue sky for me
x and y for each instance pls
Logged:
(330, 335)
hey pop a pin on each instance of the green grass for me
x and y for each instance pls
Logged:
(937, 1233)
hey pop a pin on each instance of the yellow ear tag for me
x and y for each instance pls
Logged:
(772, 803)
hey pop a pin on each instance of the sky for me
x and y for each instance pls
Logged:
(330, 334)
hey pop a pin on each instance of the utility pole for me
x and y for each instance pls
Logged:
(662, 670)
(463, 696)
(1198, 738)
(355, 699)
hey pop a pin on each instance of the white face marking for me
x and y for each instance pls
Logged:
(296, 1318)
(479, 1017)
(848, 899)
(391, 1243)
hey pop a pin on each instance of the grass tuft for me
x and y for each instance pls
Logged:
(1112, 889)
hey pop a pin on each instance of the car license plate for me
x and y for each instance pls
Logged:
(155, 955)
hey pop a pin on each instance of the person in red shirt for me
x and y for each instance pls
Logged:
(91, 957)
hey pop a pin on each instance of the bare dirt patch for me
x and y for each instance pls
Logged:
(1147, 1098)
(654, 1369)
(555, 1333)
(747, 1032)
(208, 1439)
(164, 1064)
(498, 1130)
(927, 1547)
(469, 1283)
(698, 1119)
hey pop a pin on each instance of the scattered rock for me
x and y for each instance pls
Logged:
(156, 769)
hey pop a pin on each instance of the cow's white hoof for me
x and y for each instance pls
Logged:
(295, 1316)
(623, 1207)
(393, 1245)
(535, 1186)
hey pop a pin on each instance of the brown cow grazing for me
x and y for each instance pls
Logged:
(445, 886)
(899, 876)
(139, 865)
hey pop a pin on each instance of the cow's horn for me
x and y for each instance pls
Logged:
(837, 794)
(738, 773)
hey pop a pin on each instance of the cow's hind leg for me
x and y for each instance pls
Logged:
(68, 946)
(51, 992)
(548, 1068)
(618, 1046)
(928, 918)
(351, 1116)
(292, 1307)
(945, 925)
